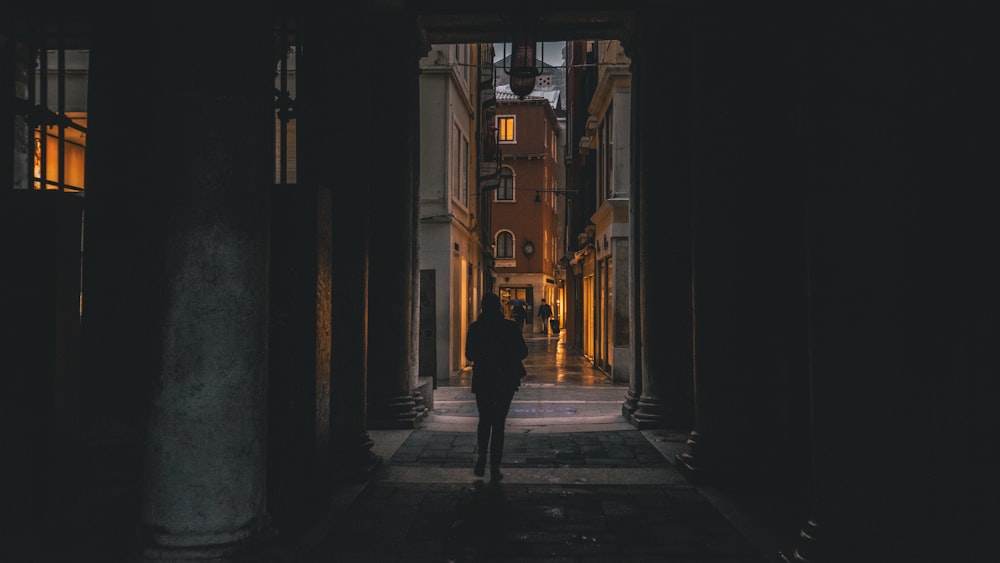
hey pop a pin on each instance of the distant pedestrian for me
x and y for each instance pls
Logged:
(545, 311)
(496, 348)
(518, 313)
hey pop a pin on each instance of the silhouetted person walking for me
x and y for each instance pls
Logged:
(518, 313)
(544, 312)
(496, 347)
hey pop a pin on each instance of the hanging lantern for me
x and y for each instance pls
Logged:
(522, 59)
(522, 68)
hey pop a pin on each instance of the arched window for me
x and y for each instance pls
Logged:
(505, 245)
(505, 191)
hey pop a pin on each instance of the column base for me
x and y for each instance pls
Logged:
(261, 547)
(651, 414)
(630, 405)
(819, 543)
(424, 394)
(360, 468)
(395, 413)
(807, 550)
(354, 461)
(693, 463)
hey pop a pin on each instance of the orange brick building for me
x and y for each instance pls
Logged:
(525, 207)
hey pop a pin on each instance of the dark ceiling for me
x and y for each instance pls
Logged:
(444, 21)
(552, 26)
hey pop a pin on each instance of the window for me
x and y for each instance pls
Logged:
(285, 135)
(54, 118)
(505, 191)
(505, 245)
(605, 158)
(609, 150)
(505, 125)
(463, 171)
(72, 147)
(459, 179)
(462, 62)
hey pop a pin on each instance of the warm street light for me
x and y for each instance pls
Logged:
(538, 198)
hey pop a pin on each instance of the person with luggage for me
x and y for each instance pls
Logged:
(544, 312)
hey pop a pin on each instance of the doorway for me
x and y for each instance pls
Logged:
(511, 295)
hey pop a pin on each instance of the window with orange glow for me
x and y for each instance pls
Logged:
(65, 155)
(285, 152)
(505, 125)
(54, 119)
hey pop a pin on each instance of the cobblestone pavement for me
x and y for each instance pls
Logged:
(453, 522)
(580, 485)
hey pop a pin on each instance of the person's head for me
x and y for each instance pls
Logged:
(543, 300)
(491, 303)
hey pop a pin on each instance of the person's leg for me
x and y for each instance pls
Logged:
(483, 431)
(496, 443)
(500, 410)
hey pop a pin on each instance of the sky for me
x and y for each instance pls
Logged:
(552, 51)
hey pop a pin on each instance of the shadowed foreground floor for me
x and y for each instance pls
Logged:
(580, 484)
(439, 522)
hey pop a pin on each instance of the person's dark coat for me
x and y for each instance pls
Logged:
(496, 347)
(518, 313)
(544, 311)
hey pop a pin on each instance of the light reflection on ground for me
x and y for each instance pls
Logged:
(550, 362)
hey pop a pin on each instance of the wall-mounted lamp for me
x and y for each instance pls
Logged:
(538, 198)
(522, 69)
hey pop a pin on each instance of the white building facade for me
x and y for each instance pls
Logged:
(450, 253)
(606, 266)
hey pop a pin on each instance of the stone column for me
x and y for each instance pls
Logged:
(298, 408)
(301, 276)
(749, 267)
(423, 392)
(205, 478)
(391, 186)
(8, 67)
(621, 336)
(662, 117)
(631, 403)
(902, 292)
(120, 328)
(324, 66)
(41, 249)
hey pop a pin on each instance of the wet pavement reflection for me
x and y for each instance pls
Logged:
(551, 361)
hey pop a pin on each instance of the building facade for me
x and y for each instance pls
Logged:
(452, 265)
(605, 253)
(527, 205)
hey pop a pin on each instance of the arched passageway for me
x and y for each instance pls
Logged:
(810, 298)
